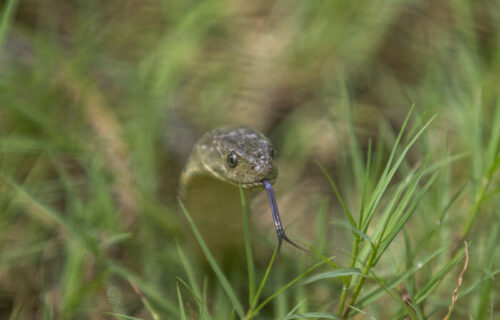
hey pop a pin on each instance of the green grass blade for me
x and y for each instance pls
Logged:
(181, 303)
(248, 248)
(191, 291)
(442, 216)
(404, 213)
(356, 155)
(204, 310)
(289, 284)
(389, 174)
(201, 301)
(314, 315)
(291, 313)
(321, 234)
(339, 197)
(8, 10)
(145, 287)
(487, 290)
(324, 258)
(399, 197)
(189, 270)
(379, 188)
(367, 183)
(262, 283)
(356, 231)
(426, 290)
(335, 274)
(444, 163)
(213, 264)
(476, 284)
(377, 293)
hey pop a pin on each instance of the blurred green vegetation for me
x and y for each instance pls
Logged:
(101, 101)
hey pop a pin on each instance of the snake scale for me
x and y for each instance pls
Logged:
(222, 159)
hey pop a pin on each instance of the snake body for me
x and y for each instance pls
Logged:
(222, 159)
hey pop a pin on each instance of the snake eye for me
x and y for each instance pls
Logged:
(232, 159)
(272, 153)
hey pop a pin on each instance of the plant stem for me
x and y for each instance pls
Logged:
(361, 281)
(347, 283)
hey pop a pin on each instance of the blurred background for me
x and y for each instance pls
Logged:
(101, 102)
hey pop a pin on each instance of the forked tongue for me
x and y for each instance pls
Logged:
(276, 217)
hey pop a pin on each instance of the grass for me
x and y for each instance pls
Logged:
(386, 117)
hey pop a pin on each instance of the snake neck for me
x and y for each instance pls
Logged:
(215, 208)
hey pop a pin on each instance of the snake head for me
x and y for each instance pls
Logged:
(238, 155)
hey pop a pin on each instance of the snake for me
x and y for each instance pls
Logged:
(235, 156)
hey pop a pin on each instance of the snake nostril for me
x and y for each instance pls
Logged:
(252, 166)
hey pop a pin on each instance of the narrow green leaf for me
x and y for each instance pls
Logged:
(404, 213)
(262, 283)
(302, 275)
(188, 287)
(356, 231)
(380, 188)
(8, 11)
(315, 315)
(489, 263)
(377, 293)
(355, 149)
(367, 183)
(146, 288)
(204, 311)
(387, 177)
(324, 258)
(335, 274)
(213, 264)
(426, 290)
(248, 248)
(181, 303)
(189, 270)
(292, 312)
(494, 141)
(339, 197)
(473, 286)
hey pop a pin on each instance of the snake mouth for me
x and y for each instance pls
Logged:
(256, 185)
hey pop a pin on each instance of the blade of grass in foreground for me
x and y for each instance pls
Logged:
(251, 310)
(189, 270)
(248, 248)
(213, 264)
(289, 284)
(181, 303)
(489, 263)
(490, 164)
(291, 313)
(389, 173)
(315, 315)
(376, 294)
(193, 286)
(335, 274)
(146, 288)
(426, 290)
(347, 212)
(188, 288)
(9, 9)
